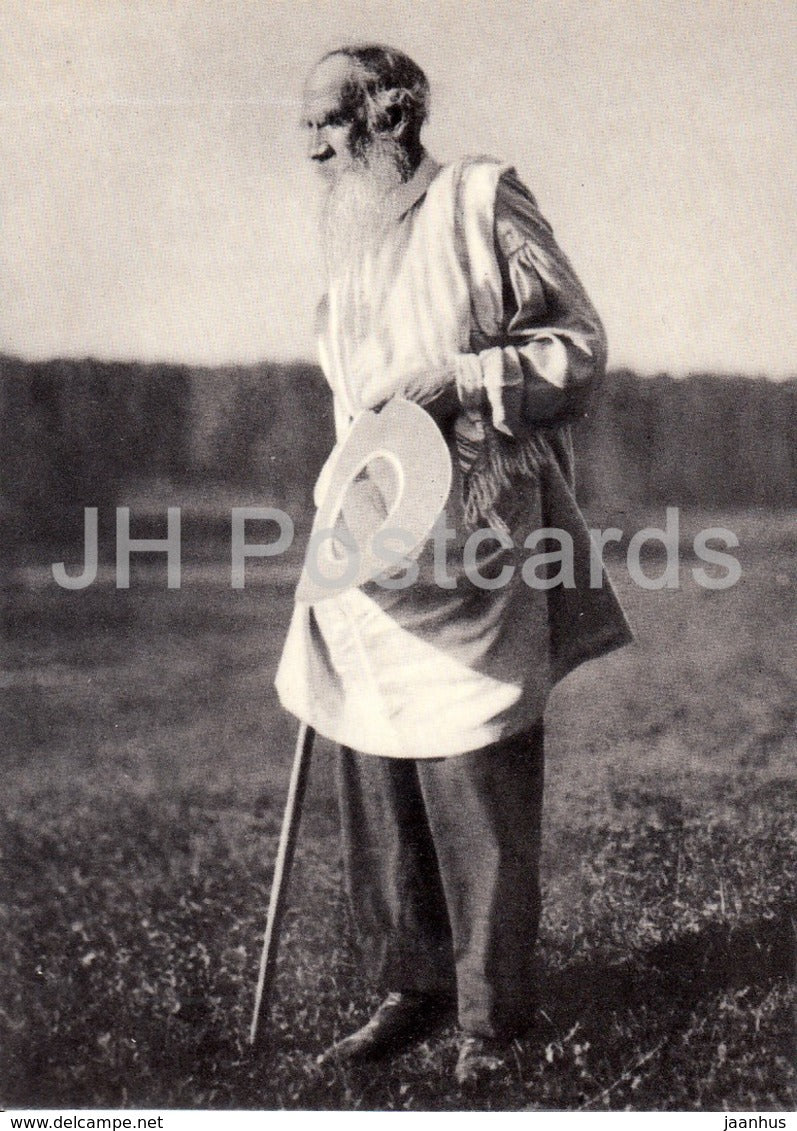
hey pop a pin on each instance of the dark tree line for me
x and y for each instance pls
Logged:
(707, 440)
(83, 433)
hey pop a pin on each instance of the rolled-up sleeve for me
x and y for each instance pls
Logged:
(553, 344)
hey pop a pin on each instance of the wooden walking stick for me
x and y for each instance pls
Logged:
(279, 885)
(407, 436)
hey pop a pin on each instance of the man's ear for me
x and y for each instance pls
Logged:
(395, 120)
(394, 115)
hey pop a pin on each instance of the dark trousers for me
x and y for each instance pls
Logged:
(441, 860)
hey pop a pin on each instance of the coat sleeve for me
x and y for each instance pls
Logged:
(552, 344)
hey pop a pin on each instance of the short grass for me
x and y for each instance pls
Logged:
(145, 762)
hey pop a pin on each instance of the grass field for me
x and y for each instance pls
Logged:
(144, 771)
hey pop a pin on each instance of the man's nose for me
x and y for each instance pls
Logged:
(318, 147)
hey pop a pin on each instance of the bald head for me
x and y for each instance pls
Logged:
(355, 96)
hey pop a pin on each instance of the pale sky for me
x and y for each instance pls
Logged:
(156, 203)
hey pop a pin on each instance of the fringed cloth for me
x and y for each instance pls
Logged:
(492, 467)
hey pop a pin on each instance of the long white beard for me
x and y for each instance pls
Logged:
(356, 215)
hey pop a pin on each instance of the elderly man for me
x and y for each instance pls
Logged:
(445, 287)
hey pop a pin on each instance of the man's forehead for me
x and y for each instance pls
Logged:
(324, 87)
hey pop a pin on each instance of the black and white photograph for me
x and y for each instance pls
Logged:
(399, 680)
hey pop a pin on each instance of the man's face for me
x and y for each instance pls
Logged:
(329, 120)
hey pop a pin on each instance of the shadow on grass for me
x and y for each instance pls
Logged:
(630, 1034)
(673, 1026)
(683, 970)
